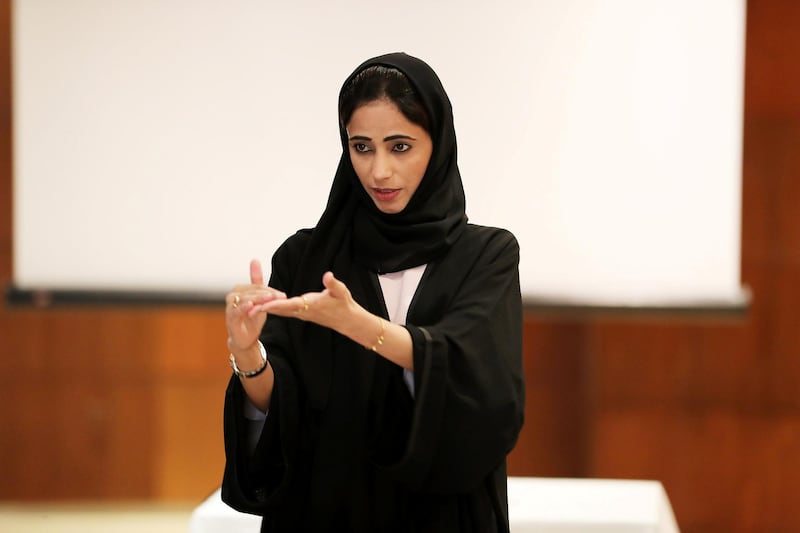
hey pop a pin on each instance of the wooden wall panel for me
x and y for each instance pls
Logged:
(771, 62)
(724, 470)
(553, 438)
(111, 403)
(678, 363)
(188, 462)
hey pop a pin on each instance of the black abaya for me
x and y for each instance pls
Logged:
(345, 447)
(375, 459)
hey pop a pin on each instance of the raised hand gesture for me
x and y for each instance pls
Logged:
(244, 312)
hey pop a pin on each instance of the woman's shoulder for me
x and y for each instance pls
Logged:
(488, 236)
(293, 246)
(299, 239)
(482, 244)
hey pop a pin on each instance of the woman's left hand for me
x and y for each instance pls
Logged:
(331, 308)
(336, 309)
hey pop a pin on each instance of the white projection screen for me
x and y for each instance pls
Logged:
(159, 145)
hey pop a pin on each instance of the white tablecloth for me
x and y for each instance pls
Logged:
(535, 505)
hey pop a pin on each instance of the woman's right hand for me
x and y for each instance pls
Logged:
(243, 322)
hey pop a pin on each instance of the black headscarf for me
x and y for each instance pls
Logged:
(353, 229)
(435, 215)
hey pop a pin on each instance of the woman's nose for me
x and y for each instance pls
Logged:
(381, 168)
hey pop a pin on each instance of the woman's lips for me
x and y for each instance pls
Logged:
(386, 195)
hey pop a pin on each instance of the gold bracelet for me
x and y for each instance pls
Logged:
(379, 340)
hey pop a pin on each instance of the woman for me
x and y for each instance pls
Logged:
(387, 387)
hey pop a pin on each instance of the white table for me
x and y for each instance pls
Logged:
(535, 505)
(559, 505)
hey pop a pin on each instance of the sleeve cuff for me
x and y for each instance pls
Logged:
(251, 412)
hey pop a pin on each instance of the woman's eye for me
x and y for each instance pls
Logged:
(360, 147)
(401, 147)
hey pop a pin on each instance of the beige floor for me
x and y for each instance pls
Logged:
(93, 518)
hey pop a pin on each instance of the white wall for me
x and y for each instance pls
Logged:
(159, 145)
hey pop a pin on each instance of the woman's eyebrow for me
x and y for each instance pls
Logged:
(399, 136)
(385, 139)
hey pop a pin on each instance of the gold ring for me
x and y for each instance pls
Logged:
(236, 301)
(305, 303)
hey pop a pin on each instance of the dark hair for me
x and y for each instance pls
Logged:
(378, 82)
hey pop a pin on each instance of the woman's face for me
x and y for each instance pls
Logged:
(389, 153)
